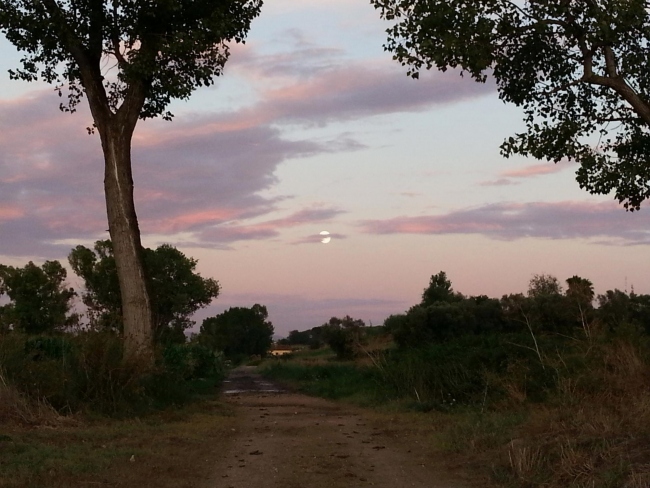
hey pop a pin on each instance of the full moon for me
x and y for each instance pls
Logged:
(326, 237)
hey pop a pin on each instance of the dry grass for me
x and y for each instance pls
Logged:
(595, 432)
(524, 460)
(592, 432)
(16, 409)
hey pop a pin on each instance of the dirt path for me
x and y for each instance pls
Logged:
(290, 440)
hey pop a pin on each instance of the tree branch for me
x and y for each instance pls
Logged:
(618, 84)
(610, 62)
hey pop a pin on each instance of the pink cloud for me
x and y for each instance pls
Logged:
(534, 170)
(531, 171)
(509, 221)
(10, 213)
(182, 222)
(235, 231)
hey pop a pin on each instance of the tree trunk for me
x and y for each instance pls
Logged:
(125, 236)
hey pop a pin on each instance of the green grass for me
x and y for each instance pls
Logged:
(167, 448)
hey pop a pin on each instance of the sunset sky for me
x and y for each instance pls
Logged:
(314, 127)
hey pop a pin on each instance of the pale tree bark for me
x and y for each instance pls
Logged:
(116, 132)
(125, 236)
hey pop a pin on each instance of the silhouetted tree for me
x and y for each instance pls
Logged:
(40, 301)
(238, 332)
(439, 290)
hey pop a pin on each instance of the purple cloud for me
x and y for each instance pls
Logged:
(499, 182)
(509, 221)
(202, 174)
(357, 91)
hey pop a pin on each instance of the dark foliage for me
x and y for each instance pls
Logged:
(239, 332)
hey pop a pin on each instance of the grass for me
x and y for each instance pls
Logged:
(333, 381)
(170, 448)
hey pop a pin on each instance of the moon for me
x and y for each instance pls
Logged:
(326, 237)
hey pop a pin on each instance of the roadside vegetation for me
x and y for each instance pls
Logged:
(534, 389)
(72, 409)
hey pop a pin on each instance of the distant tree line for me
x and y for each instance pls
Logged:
(346, 336)
(443, 315)
(546, 307)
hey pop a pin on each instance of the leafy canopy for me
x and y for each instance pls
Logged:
(239, 332)
(162, 48)
(177, 290)
(578, 68)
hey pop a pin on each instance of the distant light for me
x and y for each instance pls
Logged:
(326, 237)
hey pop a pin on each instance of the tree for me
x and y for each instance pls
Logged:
(177, 291)
(542, 285)
(578, 68)
(614, 309)
(160, 50)
(40, 302)
(344, 336)
(102, 296)
(439, 290)
(550, 309)
(239, 332)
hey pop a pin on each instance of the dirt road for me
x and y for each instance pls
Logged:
(290, 440)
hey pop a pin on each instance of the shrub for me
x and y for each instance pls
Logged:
(191, 361)
(86, 372)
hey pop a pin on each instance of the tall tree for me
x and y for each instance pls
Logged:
(177, 290)
(40, 301)
(578, 68)
(161, 49)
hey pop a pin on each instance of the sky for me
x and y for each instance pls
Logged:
(314, 127)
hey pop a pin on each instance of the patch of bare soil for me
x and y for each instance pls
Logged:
(289, 440)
